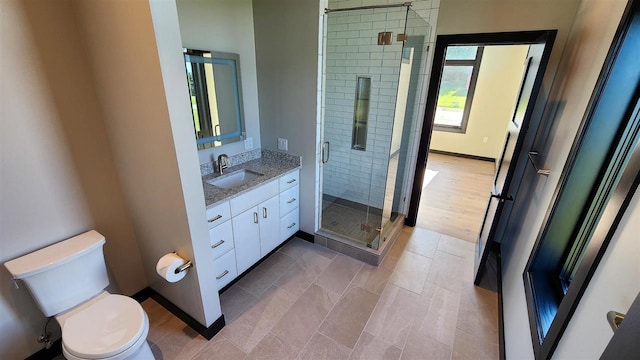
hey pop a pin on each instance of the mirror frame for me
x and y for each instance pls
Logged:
(221, 58)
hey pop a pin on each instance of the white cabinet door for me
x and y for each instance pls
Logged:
(225, 268)
(246, 236)
(269, 224)
(221, 239)
(289, 225)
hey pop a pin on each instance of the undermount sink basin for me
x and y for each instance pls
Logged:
(234, 179)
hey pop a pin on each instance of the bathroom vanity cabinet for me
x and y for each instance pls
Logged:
(247, 227)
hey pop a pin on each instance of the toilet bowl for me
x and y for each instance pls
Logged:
(108, 326)
(67, 280)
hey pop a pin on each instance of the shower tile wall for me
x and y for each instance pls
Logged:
(351, 51)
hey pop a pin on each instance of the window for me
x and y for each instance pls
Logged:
(457, 85)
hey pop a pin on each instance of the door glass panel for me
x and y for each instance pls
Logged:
(353, 73)
(412, 70)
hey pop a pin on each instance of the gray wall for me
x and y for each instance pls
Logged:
(286, 35)
(58, 176)
(135, 55)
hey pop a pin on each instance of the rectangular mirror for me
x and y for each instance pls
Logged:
(216, 96)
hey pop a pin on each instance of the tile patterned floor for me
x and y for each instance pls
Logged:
(308, 302)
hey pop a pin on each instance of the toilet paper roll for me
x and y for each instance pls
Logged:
(167, 266)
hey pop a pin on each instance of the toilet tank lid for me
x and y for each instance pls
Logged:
(54, 255)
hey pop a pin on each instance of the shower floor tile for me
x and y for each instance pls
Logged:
(442, 314)
(345, 221)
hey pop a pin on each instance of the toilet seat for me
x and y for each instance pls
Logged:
(112, 327)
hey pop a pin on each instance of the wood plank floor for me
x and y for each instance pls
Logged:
(307, 302)
(454, 201)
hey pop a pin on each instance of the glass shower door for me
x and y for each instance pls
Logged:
(362, 65)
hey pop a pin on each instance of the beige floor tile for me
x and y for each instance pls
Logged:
(370, 347)
(437, 314)
(455, 246)
(478, 313)
(401, 243)
(265, 274)
(234, 301)
(296, 280)
(315, 259)
(447, 271)
(181, 344)
(372, 278)
(411, 272)
(300, 322)
(220, 348)
(297, 247)
(420, 347)
(161, 321)
(393, 315)
(250, 327)
(321, 347)
(423, 242)
(349, 316)
(339, 274)
(472, 347)
(418, 304)
(272, 348)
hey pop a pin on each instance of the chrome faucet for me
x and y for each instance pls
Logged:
(223, 163)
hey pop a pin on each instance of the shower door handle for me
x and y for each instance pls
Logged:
(326, 152)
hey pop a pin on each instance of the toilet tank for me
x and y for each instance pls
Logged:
(65, 274)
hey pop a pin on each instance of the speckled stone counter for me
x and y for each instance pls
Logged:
(272, 164)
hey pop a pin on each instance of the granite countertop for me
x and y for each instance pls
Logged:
(272, 164)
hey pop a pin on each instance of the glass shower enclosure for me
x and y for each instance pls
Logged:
(373, 78)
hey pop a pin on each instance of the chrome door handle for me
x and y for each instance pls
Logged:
(614, 319)
(291, 181)
(292, 200)
(255, 217)
(326, 151)
(290, 226)
(264, 212)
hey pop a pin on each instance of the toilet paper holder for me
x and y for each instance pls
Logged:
(183, 267)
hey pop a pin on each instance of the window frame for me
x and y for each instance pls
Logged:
(475, 63)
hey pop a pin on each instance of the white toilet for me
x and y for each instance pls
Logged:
(67, 280)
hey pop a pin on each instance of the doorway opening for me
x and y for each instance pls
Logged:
(477, 130)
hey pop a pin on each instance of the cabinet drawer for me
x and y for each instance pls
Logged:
(221, 238)
(290, 180)
(254, 197)
(225, 268)
(289, 225)
(218, 214)
(289, 199)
